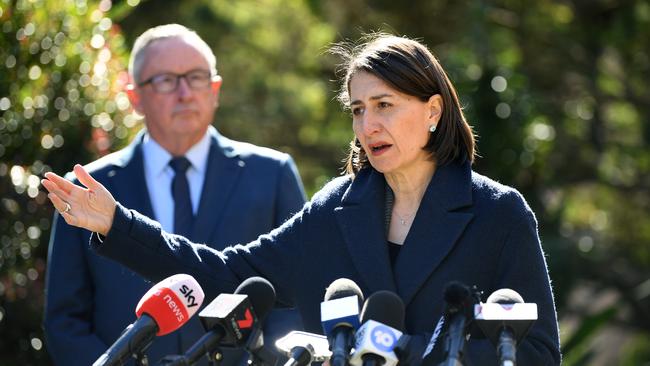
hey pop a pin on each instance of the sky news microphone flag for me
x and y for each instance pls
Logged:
(164, 308)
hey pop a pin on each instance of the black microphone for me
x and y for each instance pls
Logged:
(459, 301)
(383, 324)
(164, 308)
(505, 319)
(230, 320)
(262, 296)
(340, 318)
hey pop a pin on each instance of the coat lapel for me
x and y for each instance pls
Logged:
(361, 219)
(222, 172)
(127, 178)
(436, 228)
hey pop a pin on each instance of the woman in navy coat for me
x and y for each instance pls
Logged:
(409, 217)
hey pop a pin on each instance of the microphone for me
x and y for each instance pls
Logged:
(164, 308)
(303, 348)
(383, 324)
(229, 320)
(505, 319)
(340, 318)
(262, 295)
(459, 299)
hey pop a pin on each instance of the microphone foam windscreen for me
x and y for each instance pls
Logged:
(505, 296)
(343, 287)
(260, 293)
(384, 307)
(171, 302)
(456, 293)
(457, 297)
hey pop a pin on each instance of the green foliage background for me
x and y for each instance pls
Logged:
(556, 90)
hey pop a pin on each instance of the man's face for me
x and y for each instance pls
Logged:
(179, 118)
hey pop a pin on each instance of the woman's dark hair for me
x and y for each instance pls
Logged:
(409, 67)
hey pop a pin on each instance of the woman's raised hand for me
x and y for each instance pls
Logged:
(91, 208)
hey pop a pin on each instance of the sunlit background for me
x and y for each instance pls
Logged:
(557, 92)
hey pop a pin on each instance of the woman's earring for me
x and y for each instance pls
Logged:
(432, 128)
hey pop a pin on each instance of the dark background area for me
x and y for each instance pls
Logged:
(557, 92)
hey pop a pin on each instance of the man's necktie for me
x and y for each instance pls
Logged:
(183, 216)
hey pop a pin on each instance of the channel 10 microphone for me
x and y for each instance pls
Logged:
(164, 308)
(383, 324)
(229, 320)
(339, 314)
(459, 300)
(505, 320)
(303, 348)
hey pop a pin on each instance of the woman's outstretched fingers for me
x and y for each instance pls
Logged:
(54, 188)
(49, 186)
(85, 178)
(59, 204)
(91, 207)
(63, 207)
(97, 195)
(60, 182)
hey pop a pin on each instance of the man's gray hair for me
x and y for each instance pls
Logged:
(154, 34)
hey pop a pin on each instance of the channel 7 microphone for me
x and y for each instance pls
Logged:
(164, 308)
(230, 319)
(383, 324)
(339, 313)
(505, 320)
(262, 295)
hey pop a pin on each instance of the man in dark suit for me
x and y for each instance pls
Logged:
(179, 171)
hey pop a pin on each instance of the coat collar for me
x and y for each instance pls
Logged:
(361, 219)
(127, 179)
(223, 170)
(224, 146)
(432, 236)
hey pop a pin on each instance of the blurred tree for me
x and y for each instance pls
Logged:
(556, 90)
(60, 102)
(275, 91)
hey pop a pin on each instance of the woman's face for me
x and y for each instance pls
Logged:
(392, 127)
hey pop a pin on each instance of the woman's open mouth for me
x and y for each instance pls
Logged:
(379, 148)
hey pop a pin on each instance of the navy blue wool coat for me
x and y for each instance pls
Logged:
(248, 190)
(468, 228)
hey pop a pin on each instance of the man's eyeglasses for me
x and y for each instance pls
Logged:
(168, 82)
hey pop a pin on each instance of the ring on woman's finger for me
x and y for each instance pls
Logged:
(67, 208)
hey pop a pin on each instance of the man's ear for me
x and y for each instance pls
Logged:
(134, 98)
(215, 85)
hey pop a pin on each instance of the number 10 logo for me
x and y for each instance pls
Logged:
(383, 338)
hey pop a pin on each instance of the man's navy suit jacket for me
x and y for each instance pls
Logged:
(468, 228)
(248, 191)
